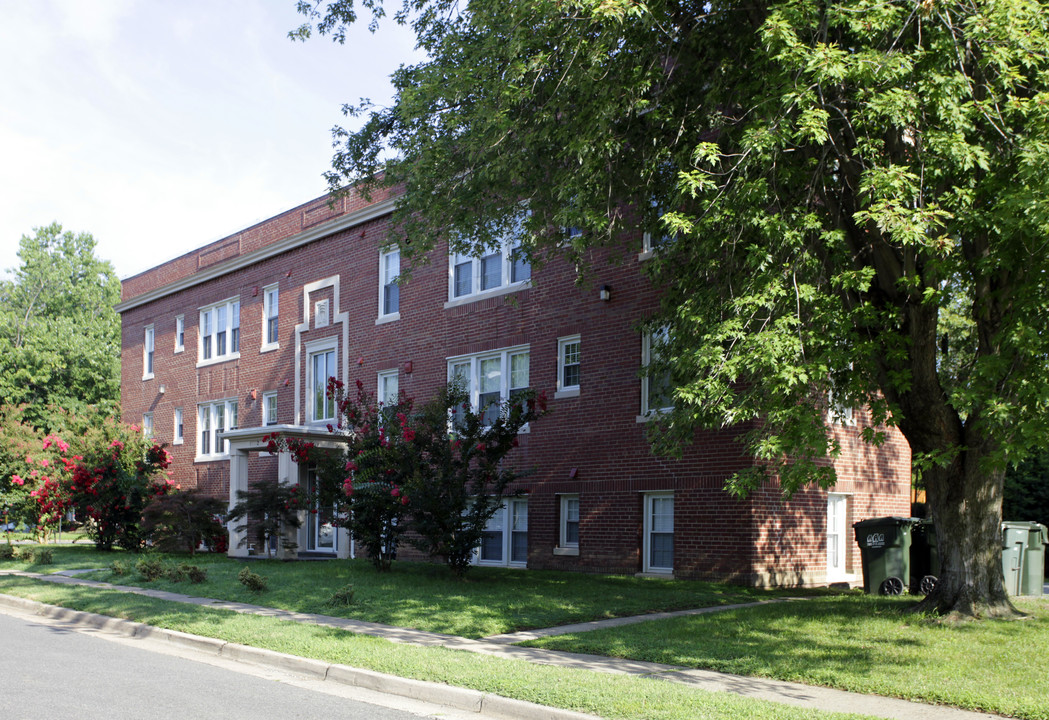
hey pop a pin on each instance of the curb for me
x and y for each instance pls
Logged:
(439, 694)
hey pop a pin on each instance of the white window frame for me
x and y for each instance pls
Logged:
(505, 522)
(269, 399)
(384, 379)
(313, 349)
(210, 332)
(563, 343)
(473, 364)
(270, 312)
(180, 333)
(648, 248)
(149, 430)
(837, 412)
(178, 427)
(389, 261)
(652, 500)
(149, 352)
(648, 412)
(501, 250)
(208, 421)
(568, 515)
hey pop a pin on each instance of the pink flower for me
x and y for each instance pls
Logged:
(44, 463)
(17, 480)
(409, 435)
(396, 492)
(404, 500)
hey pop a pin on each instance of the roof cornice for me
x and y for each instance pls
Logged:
(281, 246)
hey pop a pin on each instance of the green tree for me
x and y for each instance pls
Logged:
(851, 195)
(59, 334)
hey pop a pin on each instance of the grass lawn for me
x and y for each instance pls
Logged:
(609, 696)
(425, 596)
(855, 642)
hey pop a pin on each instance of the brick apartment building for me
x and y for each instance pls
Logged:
(231, 341)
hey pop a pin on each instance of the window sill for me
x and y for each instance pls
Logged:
(570, 551)
(210, 458)
(383, 319)
(569, 393)
(179, 350)
(504, 290)
(150, 376)
(651, 415)
(177, 442)
(646, 255)
(218, 360)
(656, 573)
(269, 348)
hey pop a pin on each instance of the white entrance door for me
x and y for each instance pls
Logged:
(837, 537)
(321, 535)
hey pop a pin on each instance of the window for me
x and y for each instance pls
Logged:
(220, 331)
(147, 354)
(388, 388)
(322, 365)
(492, 378)
(147, 426)
(503, 265)
(269, 408)
(568, 366)
(569, 534)
(389, 290)
(837, 537)
(658, 239)
(270, 302)
(180, 333)
(505, 537)
(178, 435)
(659, 533)
(215, 418)
(657, 386)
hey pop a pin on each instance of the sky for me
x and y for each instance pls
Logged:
(159, 127)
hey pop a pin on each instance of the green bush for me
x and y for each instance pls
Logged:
(150, 568)
(7, 551)
(43, 556)
(341, 597)
(121, 567)
(185, 571)
(252, 581)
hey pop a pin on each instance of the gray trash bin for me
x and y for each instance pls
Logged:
(1014, 543)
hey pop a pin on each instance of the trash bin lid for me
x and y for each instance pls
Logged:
(895, 521)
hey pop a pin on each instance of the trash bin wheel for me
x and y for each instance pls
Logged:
(891, 586)
(927, 584)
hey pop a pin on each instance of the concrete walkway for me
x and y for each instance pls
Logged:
(806, 696)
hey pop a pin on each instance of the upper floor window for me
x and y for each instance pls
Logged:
(492, 378)
(147, 426)
(269, 408)
(389, 289)
(270, 308)
(179, 428)
(213, 419)
(220, 331)
(569, 363)
(502, 265)
(388, 388)
(147, 353)
(657, 387)
(322, 365)
(180, 333)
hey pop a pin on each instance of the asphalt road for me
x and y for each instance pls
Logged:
(48, 671)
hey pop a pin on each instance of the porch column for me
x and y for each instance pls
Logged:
(238, 481)
(288, 474)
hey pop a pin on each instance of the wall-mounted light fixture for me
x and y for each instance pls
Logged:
(605, 293)
(163, 389)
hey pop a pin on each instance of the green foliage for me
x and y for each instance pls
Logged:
(343, 597)
(59, 334)
(853, 196)
(183, 519)
(42, 556)
(7, 551)
(150, 567)
(121, 567)
(184, 571)
(252, 581)
(268, 509)
(1027, 490)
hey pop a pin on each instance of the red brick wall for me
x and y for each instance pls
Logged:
(592, 444)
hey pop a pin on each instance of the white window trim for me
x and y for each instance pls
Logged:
(266, 397)
(647, 567)
(648, 413)
(844, 546)
(312, 348)
(386, 374)
(267, 346)
(474, 388)
(149, 428)
(215, 357)
(180, 329)
(506, 246)
(564, 547)
(222, 446)
(562, 390)
(149, 353)
(385, 317)
(507, 533)
(178, 418)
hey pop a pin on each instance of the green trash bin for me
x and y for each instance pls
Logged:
(885, 546)
(1014, 543)
(1032, 573)
(925, 557)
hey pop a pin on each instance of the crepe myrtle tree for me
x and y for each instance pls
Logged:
(438, 472)
(840, 194)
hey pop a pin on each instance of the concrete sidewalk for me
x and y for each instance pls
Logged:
(806, 696)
